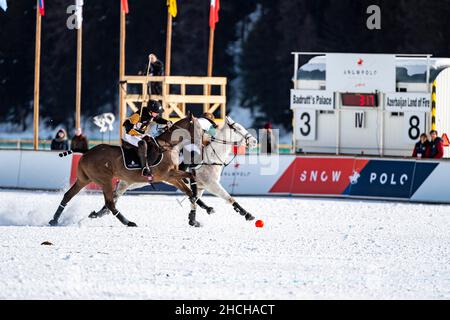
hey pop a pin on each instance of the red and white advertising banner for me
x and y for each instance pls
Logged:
(263, 175)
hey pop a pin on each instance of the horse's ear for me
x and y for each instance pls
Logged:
(190, 115)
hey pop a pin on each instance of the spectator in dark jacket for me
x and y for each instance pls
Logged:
(79, 142)
(156, 66)
(436, 146)
(156, 69)
(269, 141)
(60, 141)
(422, 147)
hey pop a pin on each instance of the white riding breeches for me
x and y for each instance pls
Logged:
(134, 140)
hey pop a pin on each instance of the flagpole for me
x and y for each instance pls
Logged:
(210, 66)
(78, 86)
(168, 43)
(122, 106)
(210, 51)
(213, 18)
(37, 62)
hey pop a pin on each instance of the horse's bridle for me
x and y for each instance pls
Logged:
(245, 137)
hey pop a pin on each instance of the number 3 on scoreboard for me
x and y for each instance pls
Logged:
(306, 125)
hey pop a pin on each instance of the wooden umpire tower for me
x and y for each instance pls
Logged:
(175, 97)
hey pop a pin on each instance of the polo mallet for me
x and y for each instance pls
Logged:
(146, 83)
(181, 202)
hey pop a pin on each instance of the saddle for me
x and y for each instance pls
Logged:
(131, 158)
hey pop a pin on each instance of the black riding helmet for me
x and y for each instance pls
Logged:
(154, 106)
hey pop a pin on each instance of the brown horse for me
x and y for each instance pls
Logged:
(104, 162)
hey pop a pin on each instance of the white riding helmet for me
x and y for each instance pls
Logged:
(207, 125)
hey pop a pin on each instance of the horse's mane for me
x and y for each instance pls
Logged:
(176, 125)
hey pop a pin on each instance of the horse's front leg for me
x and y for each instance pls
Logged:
(196, 193)
(74, 189)
(215, 188)
(109, 202)
(178, 175)
(177, 181)
(195, 199)
(203, 205)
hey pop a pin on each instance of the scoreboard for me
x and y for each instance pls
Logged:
(371, 104)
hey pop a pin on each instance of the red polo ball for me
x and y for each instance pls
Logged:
(259, 223)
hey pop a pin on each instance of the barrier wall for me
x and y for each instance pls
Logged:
(34, 169)
(353, 177)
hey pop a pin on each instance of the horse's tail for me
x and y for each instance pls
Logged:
(65, 153)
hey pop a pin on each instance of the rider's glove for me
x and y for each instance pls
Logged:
(133, 132)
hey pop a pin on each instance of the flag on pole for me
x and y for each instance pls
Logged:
(3, 5)
(41, 7)
(79, 13)
(214, 13)
(125, 6)
(172, 7)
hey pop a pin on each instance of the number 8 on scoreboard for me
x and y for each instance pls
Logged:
(413, 126)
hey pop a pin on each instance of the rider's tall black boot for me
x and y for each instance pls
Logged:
(142, 152)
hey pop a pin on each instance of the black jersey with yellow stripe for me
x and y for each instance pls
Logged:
(138, 122)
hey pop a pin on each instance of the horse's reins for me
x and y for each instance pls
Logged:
(171, 145)
(233, 143)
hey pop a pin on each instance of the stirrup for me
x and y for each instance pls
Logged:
(146, 172)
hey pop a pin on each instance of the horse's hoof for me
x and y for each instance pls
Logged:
(210, 210)
(131, 224)
(249, 217)
(93, 215)
(194, 223)
(53, 222)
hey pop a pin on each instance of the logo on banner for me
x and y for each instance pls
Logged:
(354, 177)
(360, 73)
(104, 121)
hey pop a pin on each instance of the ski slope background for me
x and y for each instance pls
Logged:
(308, 249)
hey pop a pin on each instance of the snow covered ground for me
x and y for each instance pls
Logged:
(308, 249)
